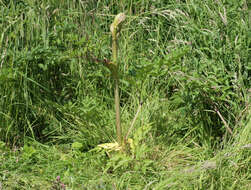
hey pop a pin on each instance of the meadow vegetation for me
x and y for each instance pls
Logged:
(185, 84)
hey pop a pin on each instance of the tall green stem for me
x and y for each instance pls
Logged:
(114, 67)
(117, 108)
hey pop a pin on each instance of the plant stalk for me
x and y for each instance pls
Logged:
(114, 67)
(117, 109)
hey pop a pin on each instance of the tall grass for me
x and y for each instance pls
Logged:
(187, 62)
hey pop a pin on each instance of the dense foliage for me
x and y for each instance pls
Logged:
(187, 62)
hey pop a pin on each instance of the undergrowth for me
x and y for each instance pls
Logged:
(187, 63)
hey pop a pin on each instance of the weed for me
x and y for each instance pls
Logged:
(184, 95)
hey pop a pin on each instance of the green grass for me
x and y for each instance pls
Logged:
(187, 62)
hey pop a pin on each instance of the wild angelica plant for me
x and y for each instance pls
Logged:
(113, 66)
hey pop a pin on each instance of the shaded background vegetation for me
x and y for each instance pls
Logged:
(187, 61)
(51, 85)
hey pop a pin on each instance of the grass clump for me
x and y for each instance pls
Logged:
(184, 65)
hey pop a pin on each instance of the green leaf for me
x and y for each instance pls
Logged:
(77, 145)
